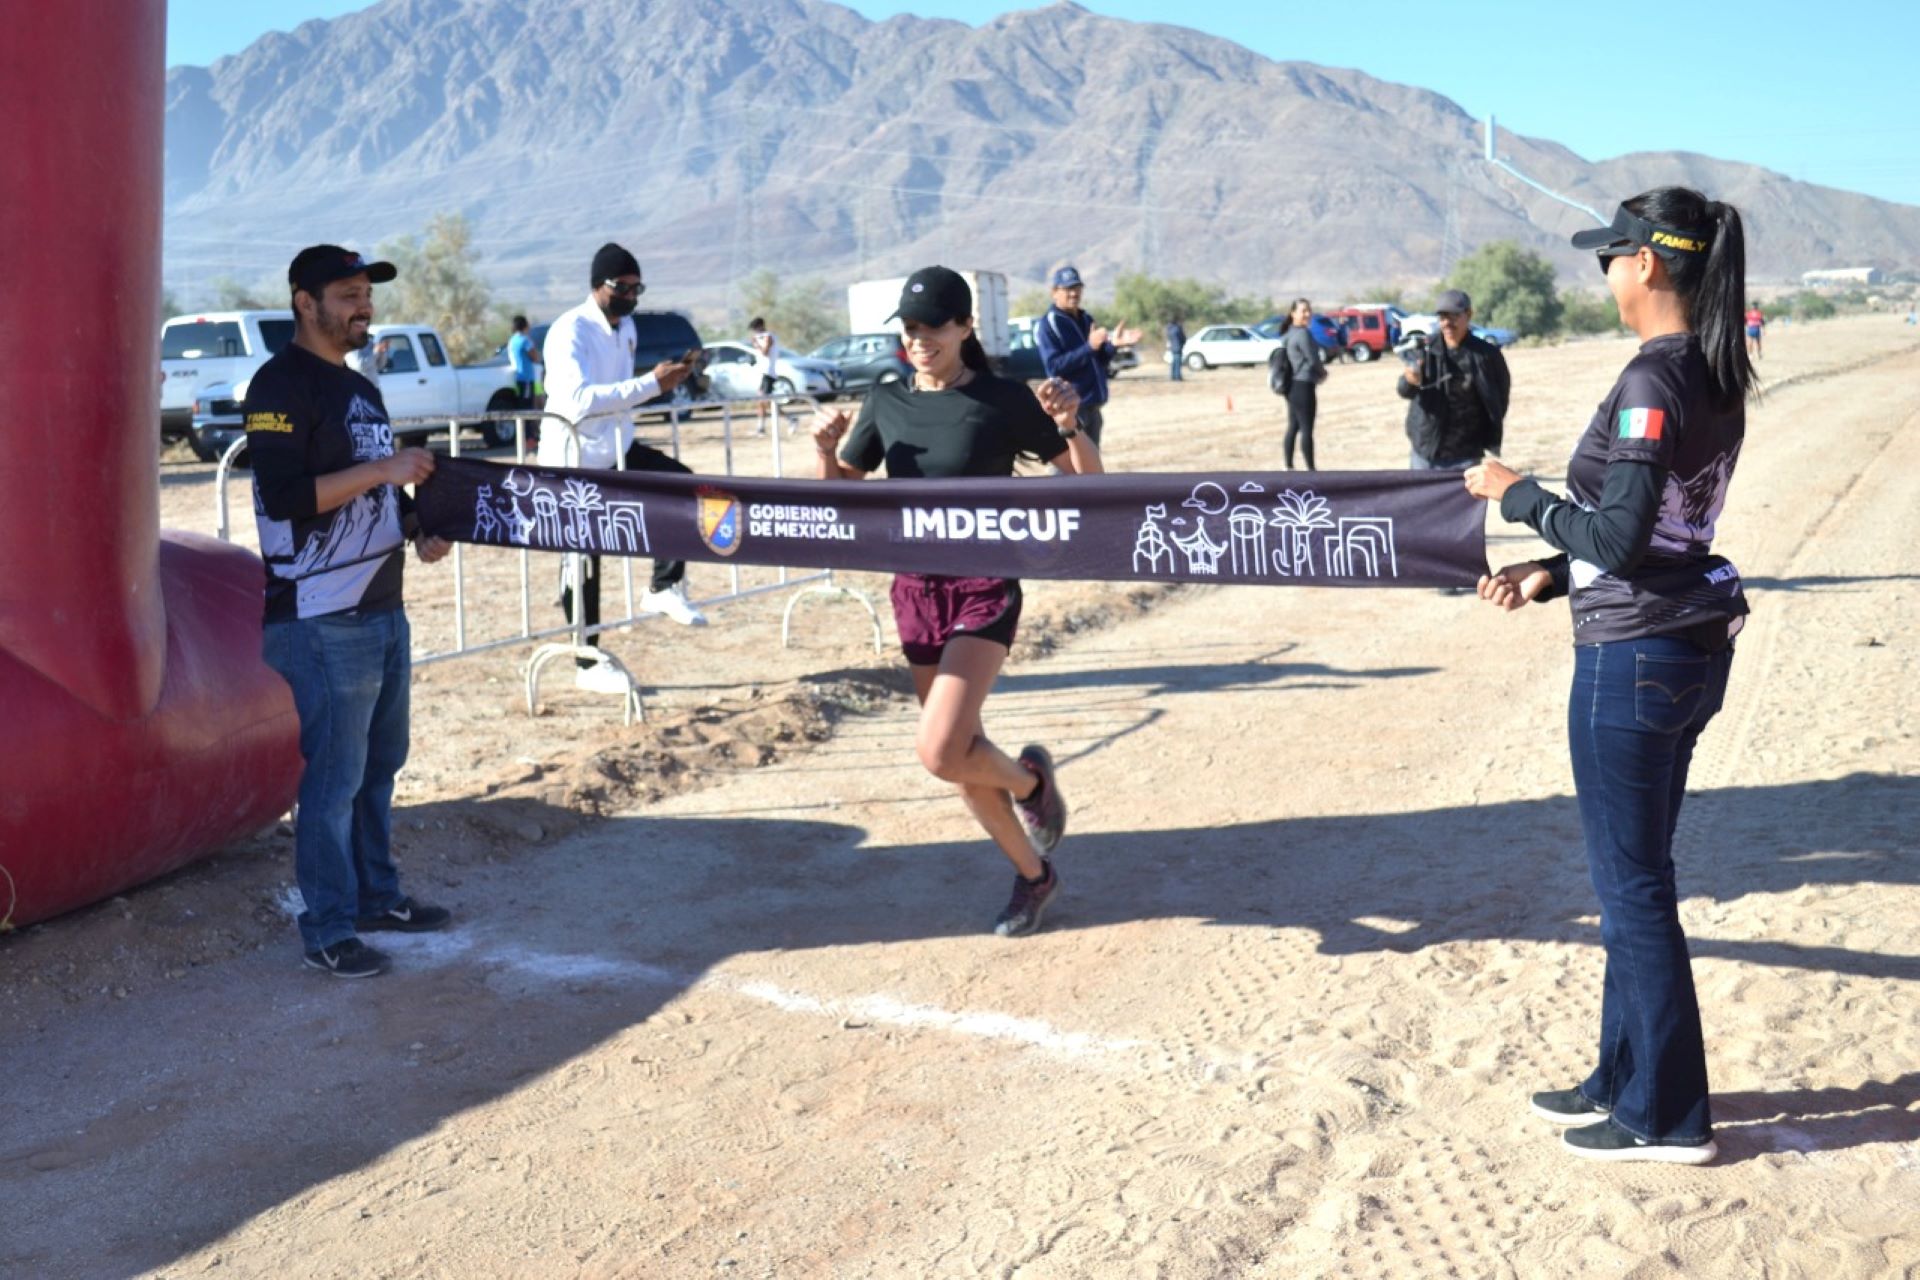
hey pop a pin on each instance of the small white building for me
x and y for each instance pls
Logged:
(1842, 275)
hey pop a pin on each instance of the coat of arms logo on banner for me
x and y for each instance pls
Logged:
(719, 513)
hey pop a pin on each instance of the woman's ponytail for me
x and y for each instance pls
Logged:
(974, 356)
(1718, 309)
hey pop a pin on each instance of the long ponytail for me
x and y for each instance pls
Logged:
(974, 356)
(1712, 286)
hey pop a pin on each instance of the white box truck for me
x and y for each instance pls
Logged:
(870, 302)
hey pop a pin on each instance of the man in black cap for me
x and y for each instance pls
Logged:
(1458, 389)
(334, 524)
(589, 358)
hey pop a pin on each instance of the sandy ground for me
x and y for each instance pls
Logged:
(722, 1000)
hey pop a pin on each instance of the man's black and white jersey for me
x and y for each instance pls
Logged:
(307, 417)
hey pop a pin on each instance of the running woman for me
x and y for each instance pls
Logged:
(1756, 328)
(1654, 616)
(957, 418)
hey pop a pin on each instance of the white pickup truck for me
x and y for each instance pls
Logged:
(214, 348)
(416, 380)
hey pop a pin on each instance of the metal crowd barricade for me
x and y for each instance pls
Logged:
(817, 583)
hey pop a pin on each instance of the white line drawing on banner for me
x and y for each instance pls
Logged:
(1203, 553)
(1297, 515)
(546, 518)
(520, 525)
(1208, 498)
(487, 526)
(624, 528)
(1247, 536)
(1150, 543)
(580, 499)
(1252, 486)
(1362, 540)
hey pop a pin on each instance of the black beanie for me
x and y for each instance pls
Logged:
(611, 263)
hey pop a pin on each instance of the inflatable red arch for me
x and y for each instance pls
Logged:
(139, 728)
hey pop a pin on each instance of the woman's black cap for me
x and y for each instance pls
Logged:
(934, 295)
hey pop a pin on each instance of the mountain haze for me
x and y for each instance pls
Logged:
(718, 137)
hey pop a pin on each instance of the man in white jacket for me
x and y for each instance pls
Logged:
(591, 382)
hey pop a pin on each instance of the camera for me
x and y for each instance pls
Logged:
(1413, 350)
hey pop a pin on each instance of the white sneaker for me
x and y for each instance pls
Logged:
(673, 603)
(601, 677)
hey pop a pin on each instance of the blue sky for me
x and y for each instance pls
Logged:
(1833, 100)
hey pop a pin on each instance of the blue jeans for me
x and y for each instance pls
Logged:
(1173, 366)
(351, 674)
(1637, 709)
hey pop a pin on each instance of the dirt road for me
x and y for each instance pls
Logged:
(1325, 924)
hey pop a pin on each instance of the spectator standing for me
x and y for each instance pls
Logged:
(591, 383)
(1756, 326)
(1176, 348)
(1304, 372)
(1076, 350)
(766, 349)
(334, 524)
(1458, 391)
(523, 355)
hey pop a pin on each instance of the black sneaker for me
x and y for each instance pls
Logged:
(1567, 1106)
(406, 916)
(1028, 903)
(1608, 1141)
(350, 958)
(1044, 814)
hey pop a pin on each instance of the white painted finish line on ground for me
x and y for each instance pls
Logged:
(874, 1010)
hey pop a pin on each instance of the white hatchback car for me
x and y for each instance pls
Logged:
(1228, 344)
(734, 375)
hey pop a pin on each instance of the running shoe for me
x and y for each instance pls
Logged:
(1567, 1106)
(1044, 814)
(406, 916)
(673, 603)
(1028, 903)
(1608, 1141)
(348, 958)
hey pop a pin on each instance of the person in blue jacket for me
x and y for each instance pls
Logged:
(1077, 350)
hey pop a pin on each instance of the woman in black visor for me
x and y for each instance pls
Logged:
(1654, 616)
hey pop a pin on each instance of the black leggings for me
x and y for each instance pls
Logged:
(665, 572)
(1302, 404)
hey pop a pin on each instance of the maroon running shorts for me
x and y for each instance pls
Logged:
(930, 610)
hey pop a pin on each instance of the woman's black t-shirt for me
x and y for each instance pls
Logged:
(1661, 414)
(976, 429)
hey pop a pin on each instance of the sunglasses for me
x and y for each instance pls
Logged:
(626, 290)
(1607, 256)
(1447, 315)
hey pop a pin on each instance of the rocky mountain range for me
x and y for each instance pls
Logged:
(719, 137)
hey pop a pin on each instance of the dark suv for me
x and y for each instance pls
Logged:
(865, 359)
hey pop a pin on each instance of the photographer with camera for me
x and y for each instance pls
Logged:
(1458, 388)
(590, 378)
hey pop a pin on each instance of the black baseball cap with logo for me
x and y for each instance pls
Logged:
(934, 295)
(1629, 232)
(317, 266)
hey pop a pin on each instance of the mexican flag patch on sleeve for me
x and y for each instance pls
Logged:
(1642, 424)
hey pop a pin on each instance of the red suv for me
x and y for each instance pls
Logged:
(1372, 330)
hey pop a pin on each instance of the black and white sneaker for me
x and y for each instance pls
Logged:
(1567, 1106)
(1608, 1141)
(350, 958)
(1044, 813)
(406, 916)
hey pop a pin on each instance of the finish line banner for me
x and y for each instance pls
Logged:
(1315, 528)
